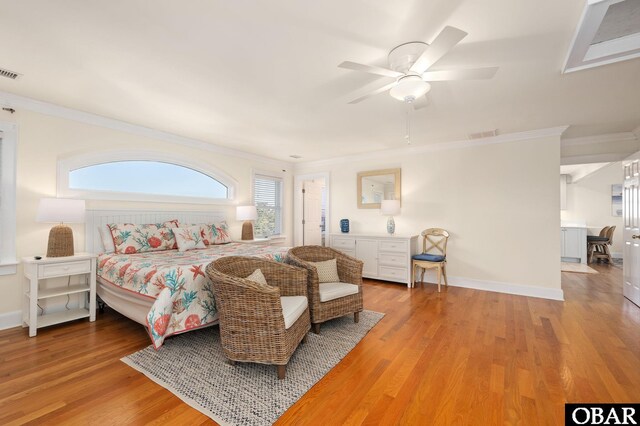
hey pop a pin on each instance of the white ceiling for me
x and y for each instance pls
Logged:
(263, 77)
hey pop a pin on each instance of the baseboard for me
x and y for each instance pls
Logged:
(501, 287)
(616, 255)
(10, 320)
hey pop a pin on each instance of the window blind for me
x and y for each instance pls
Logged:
(267, 197)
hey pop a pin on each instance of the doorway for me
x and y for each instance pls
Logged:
(311, 209)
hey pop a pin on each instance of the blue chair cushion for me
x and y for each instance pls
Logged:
(428, 257)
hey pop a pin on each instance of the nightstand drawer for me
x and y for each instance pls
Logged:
(394, 246)
(343, 244)
(64, 269)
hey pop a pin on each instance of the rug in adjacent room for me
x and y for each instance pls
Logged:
(577, 267)
(194, 368)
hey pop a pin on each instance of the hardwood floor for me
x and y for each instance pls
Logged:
(462, 356)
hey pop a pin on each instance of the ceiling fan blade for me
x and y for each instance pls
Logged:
(370, 69)
(375, 92)
(464, 74)
(444, 42)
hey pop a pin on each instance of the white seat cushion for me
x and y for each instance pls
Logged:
(330, 291)
(292, 308)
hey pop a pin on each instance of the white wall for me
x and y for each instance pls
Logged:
(589, 200)
(500, 202)
(42, 139)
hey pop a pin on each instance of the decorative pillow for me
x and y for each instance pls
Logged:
(189, 238)
(257, 277)
(107, 239)
(327, 271)
(217, 233)
(130, 238)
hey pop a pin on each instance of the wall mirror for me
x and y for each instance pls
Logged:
(377, 185)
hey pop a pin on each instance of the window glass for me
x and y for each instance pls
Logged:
(267, 196)
(147, 177)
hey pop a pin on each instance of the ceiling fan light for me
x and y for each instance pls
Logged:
(410, 88)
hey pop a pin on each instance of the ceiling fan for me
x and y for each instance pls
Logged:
(409, 64)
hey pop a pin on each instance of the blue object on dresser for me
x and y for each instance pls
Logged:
(344, 225)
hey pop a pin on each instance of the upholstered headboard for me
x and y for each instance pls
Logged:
(96, 218)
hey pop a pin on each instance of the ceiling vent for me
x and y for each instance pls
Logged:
(9, 74)
(485, 134)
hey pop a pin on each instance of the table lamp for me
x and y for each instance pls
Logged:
(247, 213)
(60, 210)
(390, 208)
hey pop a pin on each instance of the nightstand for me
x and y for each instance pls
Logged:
(260, 241)
(36, 270)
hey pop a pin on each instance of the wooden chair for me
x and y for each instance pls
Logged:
(593, 240)
(600, 248)
(258, 322)
(349, 272)
(433, 256)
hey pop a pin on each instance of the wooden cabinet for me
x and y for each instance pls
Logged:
(573, 244)
(385, 257)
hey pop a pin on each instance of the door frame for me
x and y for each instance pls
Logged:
(297, 204)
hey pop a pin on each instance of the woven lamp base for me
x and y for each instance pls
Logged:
(60, 241)
(247, 230)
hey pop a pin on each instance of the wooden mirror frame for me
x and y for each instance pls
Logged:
(395, 172)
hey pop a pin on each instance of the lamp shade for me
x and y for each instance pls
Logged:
(246, 213)
(390, 207)
(60, 210)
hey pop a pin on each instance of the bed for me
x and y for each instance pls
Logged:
(166, 291)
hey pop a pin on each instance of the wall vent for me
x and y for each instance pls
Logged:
(9, 74)
(485, 134)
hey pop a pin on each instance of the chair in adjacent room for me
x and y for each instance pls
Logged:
(334, 282)
(263, 309)
(433, 256)
(599, 246)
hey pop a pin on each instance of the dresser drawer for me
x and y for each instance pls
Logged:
(343, 243)
(64, 269)
(393, 274)
(390, 259)
(394, 246)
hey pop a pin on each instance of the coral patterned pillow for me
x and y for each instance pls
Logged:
(217, 233)
(130, 238)
(189, 238)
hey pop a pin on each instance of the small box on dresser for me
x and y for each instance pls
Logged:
(386, 257)
(37, 270)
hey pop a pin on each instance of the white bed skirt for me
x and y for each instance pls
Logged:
(129, 304)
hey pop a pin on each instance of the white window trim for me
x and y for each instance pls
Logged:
(8, 261)
(66, 165)
(278, 175)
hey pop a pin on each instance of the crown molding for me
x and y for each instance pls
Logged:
(442, 146)
(595, 158)
(596, 139)
(21, 102)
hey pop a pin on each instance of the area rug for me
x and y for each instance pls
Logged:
(577, 267)
(194, 368)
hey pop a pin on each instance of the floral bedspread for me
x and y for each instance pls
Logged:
(177, 281)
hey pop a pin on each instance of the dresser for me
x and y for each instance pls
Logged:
(386, 257)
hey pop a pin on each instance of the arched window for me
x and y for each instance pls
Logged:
(127, 176)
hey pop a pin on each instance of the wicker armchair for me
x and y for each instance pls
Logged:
(349, 271)
(252, 323)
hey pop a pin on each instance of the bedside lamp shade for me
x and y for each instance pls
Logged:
(60, 210)
(390, 208)
(247, 213)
